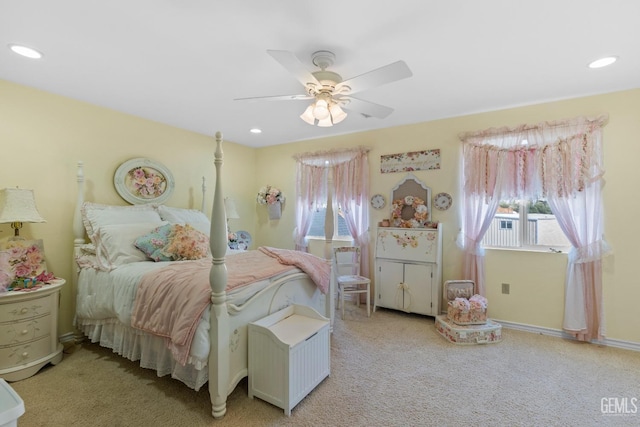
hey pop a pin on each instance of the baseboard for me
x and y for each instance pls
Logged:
(627, 345)
(70, 339)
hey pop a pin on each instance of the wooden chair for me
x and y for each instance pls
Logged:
(348, 278)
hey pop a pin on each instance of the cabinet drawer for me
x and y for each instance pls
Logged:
(407, 244)
(22, 354)
(27, 309)
(26, 330)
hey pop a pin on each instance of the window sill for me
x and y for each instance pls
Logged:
(560, 250)
(335, 239)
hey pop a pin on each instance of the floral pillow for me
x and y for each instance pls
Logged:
(185, 242)
(153, 243)
(174, 242)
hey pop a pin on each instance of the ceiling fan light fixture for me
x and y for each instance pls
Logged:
(325, 123)
(307, 116)
(321, 109)
(337, 113)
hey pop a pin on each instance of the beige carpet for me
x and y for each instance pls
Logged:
(392, 369)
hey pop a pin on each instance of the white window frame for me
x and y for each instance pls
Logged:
(336, 236)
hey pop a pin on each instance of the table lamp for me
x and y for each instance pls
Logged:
(18, 206)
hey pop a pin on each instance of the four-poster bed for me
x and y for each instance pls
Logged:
(217, 345)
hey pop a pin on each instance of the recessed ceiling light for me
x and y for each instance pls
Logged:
(603, 62)
(25, 51)
(255, 130)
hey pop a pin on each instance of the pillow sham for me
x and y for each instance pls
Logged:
(152, 243)
(186, 243)
(95, 215)
(116, 243)
(182, 216)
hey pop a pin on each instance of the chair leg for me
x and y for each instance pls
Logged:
(368, 299)
(342, 298)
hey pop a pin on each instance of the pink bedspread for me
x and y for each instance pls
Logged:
(170, 301)
(317, 268)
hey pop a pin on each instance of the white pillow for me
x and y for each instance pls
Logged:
(181, 216)
(115, 243)
(95, 215)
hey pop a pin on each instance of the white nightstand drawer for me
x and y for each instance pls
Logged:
(22, 310)
(25, 353)
(26, 330)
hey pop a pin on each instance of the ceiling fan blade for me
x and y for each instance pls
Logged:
(276, 98)
(289, 61)
(378, 77)
(366, 108)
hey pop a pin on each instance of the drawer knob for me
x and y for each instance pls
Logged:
(25, 354)
(24, 332)
(24, 310)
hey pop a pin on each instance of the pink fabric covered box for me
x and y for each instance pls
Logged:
(472, 311)
(487, 333)
(466, 317)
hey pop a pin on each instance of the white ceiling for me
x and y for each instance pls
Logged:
(183, 62)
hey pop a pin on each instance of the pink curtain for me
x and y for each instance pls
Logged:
(562, 162)
(310, 188)
(350, 184)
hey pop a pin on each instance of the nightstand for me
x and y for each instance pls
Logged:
(29, 330)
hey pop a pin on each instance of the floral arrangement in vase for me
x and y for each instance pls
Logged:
(270, 195)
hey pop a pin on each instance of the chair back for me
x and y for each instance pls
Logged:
(347, 260)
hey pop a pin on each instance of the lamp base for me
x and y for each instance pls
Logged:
(16, 228)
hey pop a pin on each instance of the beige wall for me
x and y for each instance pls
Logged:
(44, 135)
(537, 279)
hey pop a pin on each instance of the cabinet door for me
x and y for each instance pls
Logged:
(388, 294)
(417, 288)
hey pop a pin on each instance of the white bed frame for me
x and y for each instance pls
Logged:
(228, 356)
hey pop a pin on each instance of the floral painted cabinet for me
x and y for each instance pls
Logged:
(408, 271)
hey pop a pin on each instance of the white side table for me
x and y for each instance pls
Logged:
(29, 330)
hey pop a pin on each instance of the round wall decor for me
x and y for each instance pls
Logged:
(378, 201)
(442, 201)
(140, 181)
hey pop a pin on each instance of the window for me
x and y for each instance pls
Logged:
(340, 229)
(506, 224)
(525, 224)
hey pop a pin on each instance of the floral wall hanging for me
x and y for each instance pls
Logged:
(417, 208)
(273, 198)
(140, 181)
(411, 161)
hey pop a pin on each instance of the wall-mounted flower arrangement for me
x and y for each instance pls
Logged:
(273, 198)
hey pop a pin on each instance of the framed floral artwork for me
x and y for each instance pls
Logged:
(140, 181)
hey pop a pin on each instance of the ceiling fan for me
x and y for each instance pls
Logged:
(329, 92)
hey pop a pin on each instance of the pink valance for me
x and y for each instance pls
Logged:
(551, 158)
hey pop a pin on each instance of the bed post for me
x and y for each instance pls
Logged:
(78, 227)
(204, 194)
(219, 328)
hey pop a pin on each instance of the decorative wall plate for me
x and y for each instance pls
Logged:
(141, 181)
(442, 201)
(378, 201)
(244, 239)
